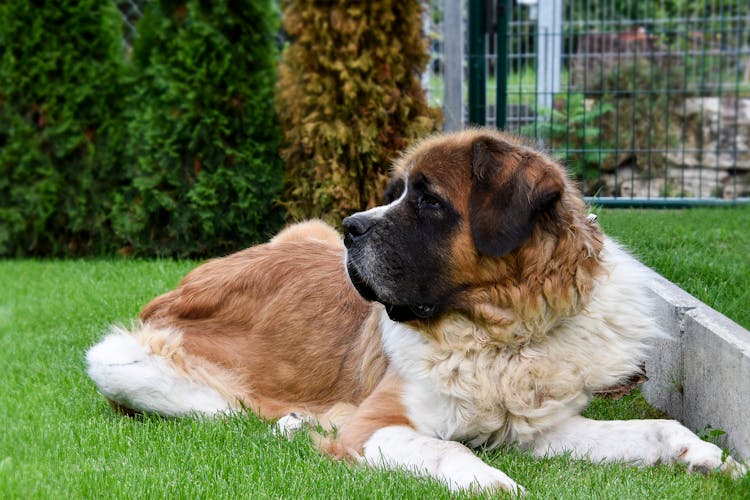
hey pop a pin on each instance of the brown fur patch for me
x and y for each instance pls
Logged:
(250, 313)
(382, 408)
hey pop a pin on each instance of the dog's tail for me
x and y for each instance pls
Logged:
(146, 370)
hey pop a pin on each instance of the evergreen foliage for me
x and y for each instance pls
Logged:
(203, 137)
(61, 68)
(349, 99)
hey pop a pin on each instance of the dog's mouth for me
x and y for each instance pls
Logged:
(397, 312)
(359, 283)
(404, 313)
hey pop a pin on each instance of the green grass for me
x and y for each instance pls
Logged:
(59, 439)
(521, 88)
(706, 251)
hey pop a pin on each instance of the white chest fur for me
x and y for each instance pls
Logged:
(484, 394)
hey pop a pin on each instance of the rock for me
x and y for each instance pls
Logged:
(717, 134)
(713, 161)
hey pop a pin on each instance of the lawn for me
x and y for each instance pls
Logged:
(61, 440)
(706, 251)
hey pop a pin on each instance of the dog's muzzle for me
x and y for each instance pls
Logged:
(356, 228)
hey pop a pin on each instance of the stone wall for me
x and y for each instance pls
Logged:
(711, 160)
(700, 373)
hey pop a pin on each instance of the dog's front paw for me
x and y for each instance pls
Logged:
(704, 457)
(733, 468)
(288, 425)
(493, 480)
(700, 456)
(466, 473)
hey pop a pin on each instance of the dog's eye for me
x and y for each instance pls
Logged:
(428, 202)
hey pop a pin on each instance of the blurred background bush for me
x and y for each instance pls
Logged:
(166, 139)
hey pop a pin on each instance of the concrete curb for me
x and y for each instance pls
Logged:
(700, 374)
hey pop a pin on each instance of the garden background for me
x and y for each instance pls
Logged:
(172, 140)
(192, 128)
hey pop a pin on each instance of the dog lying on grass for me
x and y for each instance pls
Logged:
(479, 306)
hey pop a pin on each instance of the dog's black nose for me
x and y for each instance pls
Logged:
(355, 227)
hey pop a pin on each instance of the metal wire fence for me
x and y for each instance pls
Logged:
(642, 100)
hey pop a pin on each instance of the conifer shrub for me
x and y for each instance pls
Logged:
(203, 149)
(61, 93)
(349, 99)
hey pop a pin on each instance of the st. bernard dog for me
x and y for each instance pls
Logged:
(481, 305)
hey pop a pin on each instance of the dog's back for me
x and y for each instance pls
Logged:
(254, 326)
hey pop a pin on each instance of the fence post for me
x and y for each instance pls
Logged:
(477, 63)
(549, 52)
(453, 45)
(501, 68)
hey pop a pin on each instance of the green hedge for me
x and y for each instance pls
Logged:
(203, 133)
(171, 147)
(61, 95)
(170, 150)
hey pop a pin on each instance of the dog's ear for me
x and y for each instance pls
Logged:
(510, 190)
(394, 190)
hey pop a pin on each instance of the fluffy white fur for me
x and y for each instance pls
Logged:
(399, 447)
(487, 396)
(635, 442)
(132, 372)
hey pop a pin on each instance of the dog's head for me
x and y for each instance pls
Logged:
(464, 212)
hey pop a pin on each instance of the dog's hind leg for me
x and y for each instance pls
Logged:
(147, 371)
